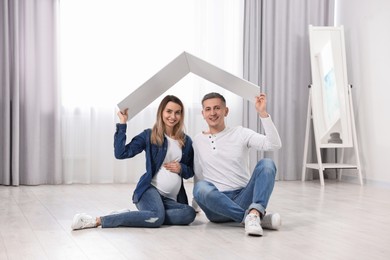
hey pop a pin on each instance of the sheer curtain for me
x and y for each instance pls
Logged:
(276, 57)
(110, 47)
(30, 151)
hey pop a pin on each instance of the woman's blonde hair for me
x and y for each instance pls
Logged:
(158, 129)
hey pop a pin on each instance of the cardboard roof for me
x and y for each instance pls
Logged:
(174, 72)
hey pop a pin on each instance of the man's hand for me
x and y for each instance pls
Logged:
(261, 105)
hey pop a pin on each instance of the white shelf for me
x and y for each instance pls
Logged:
(331, 166)
(320, 165)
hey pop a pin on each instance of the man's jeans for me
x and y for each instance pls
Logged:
(234, 205)
(154, 211)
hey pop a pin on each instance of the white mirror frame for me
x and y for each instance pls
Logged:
(329, 96)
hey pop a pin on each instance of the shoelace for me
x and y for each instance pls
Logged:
(252, 221)
(86, 221)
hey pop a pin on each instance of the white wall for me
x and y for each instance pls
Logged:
(367, 37)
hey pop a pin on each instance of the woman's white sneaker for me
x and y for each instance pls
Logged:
(82, 220)
(195, 206)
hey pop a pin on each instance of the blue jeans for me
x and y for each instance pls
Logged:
(234, 205)
(154, 210)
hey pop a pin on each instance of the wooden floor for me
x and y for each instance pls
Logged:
(340, 221)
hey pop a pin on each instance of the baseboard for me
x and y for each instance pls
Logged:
(368, 182)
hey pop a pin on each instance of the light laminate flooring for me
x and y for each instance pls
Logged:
(338, 221)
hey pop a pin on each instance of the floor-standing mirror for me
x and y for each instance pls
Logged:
(330, 102)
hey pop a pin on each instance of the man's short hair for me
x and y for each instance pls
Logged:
(213, 95)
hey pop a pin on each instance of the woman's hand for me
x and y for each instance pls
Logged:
(173, 166)
(123, 116)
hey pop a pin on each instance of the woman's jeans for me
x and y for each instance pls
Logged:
(234, 205)
(154, 210)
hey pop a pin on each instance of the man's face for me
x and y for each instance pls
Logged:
(214, 112)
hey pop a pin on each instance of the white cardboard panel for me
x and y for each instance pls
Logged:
(222, 78)
(155, 86)
(174, 72)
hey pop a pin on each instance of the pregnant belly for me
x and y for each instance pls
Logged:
(167, 182)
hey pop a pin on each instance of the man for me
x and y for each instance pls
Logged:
(224, 188)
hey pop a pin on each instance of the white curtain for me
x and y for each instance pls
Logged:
(276, 57)
(110, 47)
(30, 147)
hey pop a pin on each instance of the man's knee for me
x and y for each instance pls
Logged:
(266, 162)
(266, 166)
(202, 188)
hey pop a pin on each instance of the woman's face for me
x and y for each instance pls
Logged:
(171, 114)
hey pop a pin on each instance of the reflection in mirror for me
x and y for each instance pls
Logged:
(330, 99)
(330, 103)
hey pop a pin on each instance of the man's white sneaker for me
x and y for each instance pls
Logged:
(83, 220)
(252, 225)
(271, 221)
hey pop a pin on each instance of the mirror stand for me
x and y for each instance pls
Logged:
(320, 165)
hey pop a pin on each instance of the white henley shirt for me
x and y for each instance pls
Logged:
(223, 158)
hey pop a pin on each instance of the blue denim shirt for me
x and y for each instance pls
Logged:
(154, 155)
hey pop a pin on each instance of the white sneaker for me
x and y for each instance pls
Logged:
(83, 220)
(196, 206)
(271, 221)
(252, 225)
(119, 211)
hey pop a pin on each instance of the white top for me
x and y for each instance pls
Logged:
(223, 158)
(168, 183)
